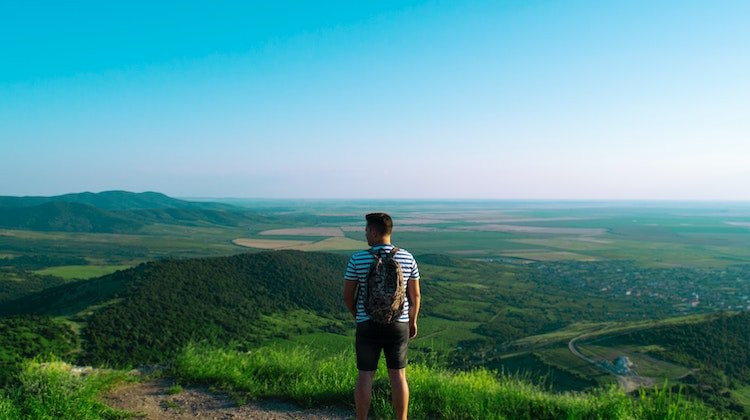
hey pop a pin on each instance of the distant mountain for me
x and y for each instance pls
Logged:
(65, 217)
(115, 212)
(148, 312)
(116, 200)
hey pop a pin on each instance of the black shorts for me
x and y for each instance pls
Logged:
(392, 339)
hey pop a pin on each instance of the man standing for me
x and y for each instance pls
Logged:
(372, 337)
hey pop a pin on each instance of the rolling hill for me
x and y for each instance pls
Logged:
(113, 200)
(65, 217)
(145, 314)
(115, 212)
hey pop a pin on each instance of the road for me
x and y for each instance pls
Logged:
(628, 383)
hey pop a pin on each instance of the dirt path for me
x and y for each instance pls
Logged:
(152, 400)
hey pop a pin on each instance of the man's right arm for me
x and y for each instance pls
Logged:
(415, 301)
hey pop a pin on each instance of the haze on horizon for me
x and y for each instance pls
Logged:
(632, 100)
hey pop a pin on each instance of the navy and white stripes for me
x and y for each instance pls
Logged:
(359, 264)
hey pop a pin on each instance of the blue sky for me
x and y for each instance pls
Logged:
(380, 99)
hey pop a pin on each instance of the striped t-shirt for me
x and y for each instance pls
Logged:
(359, 265)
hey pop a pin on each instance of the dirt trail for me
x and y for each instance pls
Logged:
(152, 400)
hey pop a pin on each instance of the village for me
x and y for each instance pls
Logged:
(682, 289)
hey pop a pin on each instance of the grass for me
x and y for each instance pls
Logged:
(174, 389)
(69, 272)
(322, 343)
(48, 391)
(443, 334)
(297, 375)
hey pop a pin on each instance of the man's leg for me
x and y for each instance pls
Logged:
(399, 392)
(363, 393)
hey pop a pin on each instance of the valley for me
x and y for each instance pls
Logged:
(554, 292)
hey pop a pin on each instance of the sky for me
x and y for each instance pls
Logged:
(377, 99)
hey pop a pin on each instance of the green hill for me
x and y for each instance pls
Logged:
(717, 350)
(29, 336)
(115, 212)
(147, 313)
(707, 356)
(65, 217)
(113, 200)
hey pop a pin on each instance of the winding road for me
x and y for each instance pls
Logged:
(628, 383)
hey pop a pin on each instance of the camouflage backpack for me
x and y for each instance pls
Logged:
(386, 293)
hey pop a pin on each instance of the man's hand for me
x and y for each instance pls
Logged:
(412, 329)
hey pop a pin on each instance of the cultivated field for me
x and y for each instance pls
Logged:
(69, 272)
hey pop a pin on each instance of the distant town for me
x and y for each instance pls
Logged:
(682, 289)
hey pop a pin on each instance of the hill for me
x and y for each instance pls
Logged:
(115, 212)
(113, 200)
(145, 314)
(717, 351)
(65, 217)
(705, 355)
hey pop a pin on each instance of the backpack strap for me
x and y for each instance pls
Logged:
(376, 254)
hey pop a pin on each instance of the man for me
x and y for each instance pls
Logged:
(371, 337)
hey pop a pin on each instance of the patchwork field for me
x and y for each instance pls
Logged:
(548, 255)
(269, 243)
(535, 229)
(336, 243)
(70, 272)
(310, 231)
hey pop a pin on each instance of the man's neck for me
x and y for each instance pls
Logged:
(383, 241)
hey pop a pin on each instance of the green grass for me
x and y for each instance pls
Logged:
(174, 389)
(561, 358)
(443, 334)
(299, 376)
(69, 272)
(530, 367)
(48, 391)
(321, 343)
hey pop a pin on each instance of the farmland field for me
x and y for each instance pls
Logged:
(69, 272)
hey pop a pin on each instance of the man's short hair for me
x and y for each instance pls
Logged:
(381, 222)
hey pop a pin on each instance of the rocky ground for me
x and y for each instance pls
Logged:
(160, 399)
